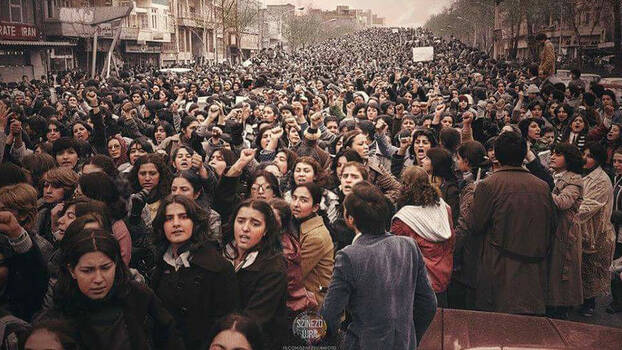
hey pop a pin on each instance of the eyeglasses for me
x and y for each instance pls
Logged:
(263, 187)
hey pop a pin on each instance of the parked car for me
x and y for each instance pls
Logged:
(462, 329)
(565, 77)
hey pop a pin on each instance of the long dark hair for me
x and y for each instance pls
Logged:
(67, 294)
(572, 156)
(442, 163)
(270, 243)
(475, 153)
(200, 224)
(164, 184)
(101, 187)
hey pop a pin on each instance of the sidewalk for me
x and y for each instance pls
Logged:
(600, 316)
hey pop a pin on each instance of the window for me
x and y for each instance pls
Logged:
(49, 8)
(16, 10)
(188, 47)
(182, 40)
(144, 20)
(154, 18)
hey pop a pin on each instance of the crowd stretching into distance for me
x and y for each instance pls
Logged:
(210, 209)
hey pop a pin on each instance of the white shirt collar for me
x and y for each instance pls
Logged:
(182, 259)
(358, 234)
(249, 259)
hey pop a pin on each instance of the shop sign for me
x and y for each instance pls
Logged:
(142, 49)
(18, 31)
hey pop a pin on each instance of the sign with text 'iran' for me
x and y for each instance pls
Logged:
(18, 31)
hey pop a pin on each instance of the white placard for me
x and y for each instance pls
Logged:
(423, 54)
(396, 30)
(202, 101)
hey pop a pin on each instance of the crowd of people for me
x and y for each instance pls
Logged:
(210, 209)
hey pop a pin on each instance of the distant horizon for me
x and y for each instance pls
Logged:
(397, 13)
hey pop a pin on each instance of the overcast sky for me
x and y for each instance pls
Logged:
(397, 12)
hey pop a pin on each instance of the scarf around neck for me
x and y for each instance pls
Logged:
(430, 222)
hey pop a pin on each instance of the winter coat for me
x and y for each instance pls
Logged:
(263, 295)
(514, 211)
(26, 281)
(435, 240)
(468, 246)
(317, 256)
(139, 317)
(197, 295)
(565, 287)
(384, 180)
(547, 59)
(381, 282)
(597, 231)
(298, 298)
(616, 216)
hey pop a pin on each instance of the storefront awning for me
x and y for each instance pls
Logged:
(35, 43)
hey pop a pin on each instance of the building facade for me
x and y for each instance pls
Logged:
(24, 48)
(141, 30)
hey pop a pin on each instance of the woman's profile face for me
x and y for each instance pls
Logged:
(94, 273)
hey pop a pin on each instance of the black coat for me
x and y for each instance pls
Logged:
(263, 295)
(27, 280)
(147, 323)
(199, 295)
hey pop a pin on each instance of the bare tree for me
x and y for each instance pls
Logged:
(617, 37)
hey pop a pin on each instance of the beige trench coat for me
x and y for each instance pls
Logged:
(597, 231)
(565, 286)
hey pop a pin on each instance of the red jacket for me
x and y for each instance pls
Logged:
(438, 256)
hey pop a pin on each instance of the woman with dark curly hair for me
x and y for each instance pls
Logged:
(565, 283)
(576, 132)
(253, 248)
(188, 256)
(96, 295)
(424, 216)
(138, 147)
(378, 175)
(161, 131)
(151, 180)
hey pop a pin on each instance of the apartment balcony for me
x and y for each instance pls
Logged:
(194, 22)
(141, 34)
